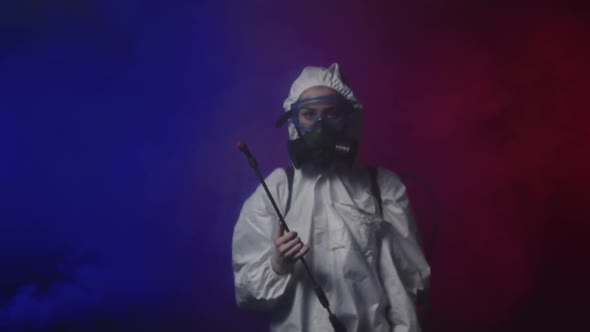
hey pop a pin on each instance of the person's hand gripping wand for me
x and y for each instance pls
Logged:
(321, 295)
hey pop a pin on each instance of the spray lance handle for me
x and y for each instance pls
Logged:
(336, 324)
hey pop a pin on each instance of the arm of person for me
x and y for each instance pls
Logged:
(402, 266)
(262, 254)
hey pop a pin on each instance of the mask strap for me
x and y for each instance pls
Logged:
(282, 119)
(335, 98)
(299, 133)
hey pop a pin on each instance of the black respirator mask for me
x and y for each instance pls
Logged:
(322, 124)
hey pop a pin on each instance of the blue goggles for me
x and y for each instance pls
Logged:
(306, 114)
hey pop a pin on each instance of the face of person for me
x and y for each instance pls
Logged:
(326, 110)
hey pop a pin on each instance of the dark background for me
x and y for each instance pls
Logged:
(120, 183)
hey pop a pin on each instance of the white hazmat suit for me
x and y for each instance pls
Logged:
(370, 265)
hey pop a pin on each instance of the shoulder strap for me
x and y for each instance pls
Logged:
(375, 189)
(290, 174)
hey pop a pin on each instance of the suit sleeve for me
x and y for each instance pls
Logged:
(403, 268)
(257, 285)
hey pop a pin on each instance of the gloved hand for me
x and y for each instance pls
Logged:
(288, 248)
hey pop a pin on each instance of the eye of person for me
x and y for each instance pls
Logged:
(308, 114)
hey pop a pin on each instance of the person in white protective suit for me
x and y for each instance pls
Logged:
(363, 250)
